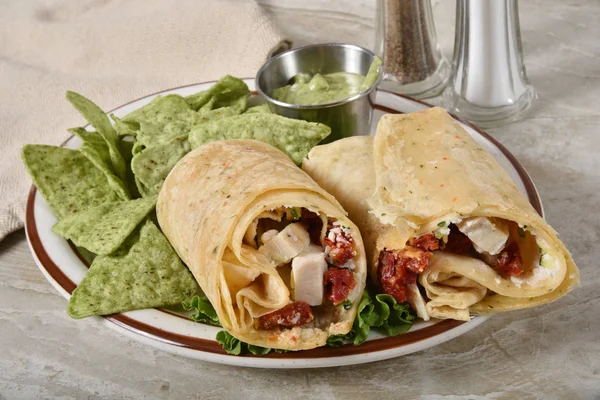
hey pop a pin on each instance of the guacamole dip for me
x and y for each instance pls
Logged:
(316, 89)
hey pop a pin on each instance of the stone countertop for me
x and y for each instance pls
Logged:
(548, 352)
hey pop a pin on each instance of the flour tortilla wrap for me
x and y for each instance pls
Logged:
(426, 171)
(208, 206)
(345, 169)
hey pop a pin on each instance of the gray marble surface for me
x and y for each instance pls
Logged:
(550, 352)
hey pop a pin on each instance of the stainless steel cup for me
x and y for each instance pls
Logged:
(349, 117)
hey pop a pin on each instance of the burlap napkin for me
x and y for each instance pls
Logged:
(111, 52)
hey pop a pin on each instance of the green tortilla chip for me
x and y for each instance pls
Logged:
(259, 109)
(96, 150)
(219, 113)
(293, 137)
(206, 106)
(137, 147)
(102, 229)
(67, 179)
(226, 92)
(152, 165)
(124, 128)
(156, 152)
(162, 111)
(238, 105)
(126, 146)
(87, 255)
(162, 127)
(141, 188)
(144, 273)
(150, 135)
(99, 120)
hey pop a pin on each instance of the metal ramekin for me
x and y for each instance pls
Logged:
(349, 117)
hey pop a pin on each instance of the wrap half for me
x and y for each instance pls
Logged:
(435, 208)
(274, 253)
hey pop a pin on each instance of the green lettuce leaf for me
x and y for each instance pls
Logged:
(257, 350)
(363, 321)
(337, 340)
(236, 347)
(380, 311)
(400, 316)
(230, 344)
(204, 311)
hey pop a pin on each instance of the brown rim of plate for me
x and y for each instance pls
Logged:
(212, 346)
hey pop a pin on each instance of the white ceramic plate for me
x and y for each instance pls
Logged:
(175, 333)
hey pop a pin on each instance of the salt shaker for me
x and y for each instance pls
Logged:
(407, 42)
(489, 85)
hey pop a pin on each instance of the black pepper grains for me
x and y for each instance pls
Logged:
(406, 40)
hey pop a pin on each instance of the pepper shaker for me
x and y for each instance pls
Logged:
(406, 41)
(489, 85)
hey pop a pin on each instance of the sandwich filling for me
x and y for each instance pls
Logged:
(510, 250)
(315, 257)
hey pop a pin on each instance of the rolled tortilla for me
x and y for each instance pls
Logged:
(423, 172)
(209, 208)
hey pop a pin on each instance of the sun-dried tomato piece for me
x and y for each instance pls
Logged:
(509, 261)
(427, 242)
(400, 268)
(294, 314)
(338, 284)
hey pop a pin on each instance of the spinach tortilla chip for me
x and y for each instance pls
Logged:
(161, 128)
(124, 128)
(69, 182)
(126, 146)
(157, 151)
(152, 165)
(162, 111)
(150, 135)
(144, 273)
(238, 106)
(294, 137)
(99, 120)
(226, 92)
(259, 109)
(96, 150)
(102, 229)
